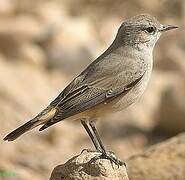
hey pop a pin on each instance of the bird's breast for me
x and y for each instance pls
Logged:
(123, 101)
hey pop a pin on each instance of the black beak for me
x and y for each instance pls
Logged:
(164, 28)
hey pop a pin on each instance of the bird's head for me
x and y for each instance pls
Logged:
(141, 31)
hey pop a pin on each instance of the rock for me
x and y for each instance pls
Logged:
(165, 161)
(170, 111)
(172, 59)
(6, 8)
(72, 45)
(14, 32)
(21, 28)
(80, 167)
(32, 54)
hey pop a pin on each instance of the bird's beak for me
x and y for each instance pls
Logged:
(164, 28)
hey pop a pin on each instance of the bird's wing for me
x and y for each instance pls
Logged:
(91, 88)
(105, 73)
(88, 96)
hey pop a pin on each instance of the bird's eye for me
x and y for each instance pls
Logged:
(150, 30)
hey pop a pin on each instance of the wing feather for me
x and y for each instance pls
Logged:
(86, 98)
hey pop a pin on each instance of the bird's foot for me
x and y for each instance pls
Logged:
(88, 150)
(110, 156)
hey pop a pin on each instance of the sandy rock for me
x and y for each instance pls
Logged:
(32, 54)
(72, 45)
(80, 167)
(165, 161)
(13, 32)
(173, 58)
(21, 28)
(6, 7)
(170, 113)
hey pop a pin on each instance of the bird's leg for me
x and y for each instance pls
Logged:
(93, 138)
(92, 124)
(105, 154)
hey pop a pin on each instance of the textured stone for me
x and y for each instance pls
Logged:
(171, 110)
(80, 167)
(165, 161)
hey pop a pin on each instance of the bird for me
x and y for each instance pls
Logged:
(111, 83)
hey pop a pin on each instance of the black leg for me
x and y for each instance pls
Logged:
(105, 154)
(93, 138)
(92, 124)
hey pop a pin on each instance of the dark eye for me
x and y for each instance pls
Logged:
(150, 30)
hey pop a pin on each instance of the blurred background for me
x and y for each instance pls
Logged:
(44, 44)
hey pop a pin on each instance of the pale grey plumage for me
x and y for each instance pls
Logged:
(112, 82)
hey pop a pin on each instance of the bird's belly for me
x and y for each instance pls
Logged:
(123, 101)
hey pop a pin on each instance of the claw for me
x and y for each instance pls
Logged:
(88, 150)
(110, 156)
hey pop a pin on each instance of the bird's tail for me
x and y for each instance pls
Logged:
(38, 120)
(21, 130)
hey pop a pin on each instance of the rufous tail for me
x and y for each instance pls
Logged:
(38, 120)
(21, 130)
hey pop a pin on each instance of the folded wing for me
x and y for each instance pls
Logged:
(86, 97)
